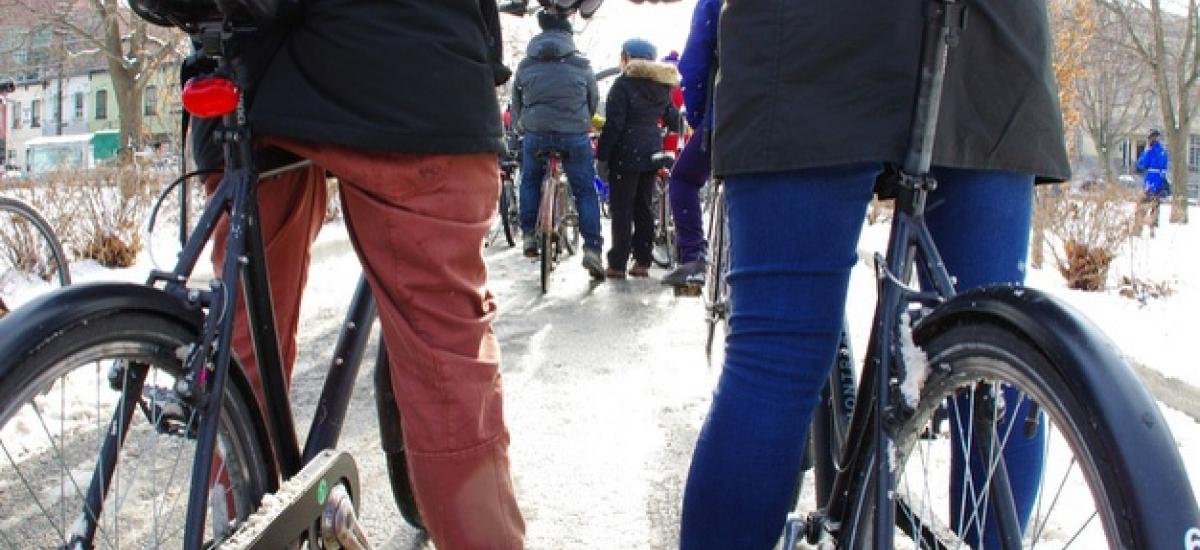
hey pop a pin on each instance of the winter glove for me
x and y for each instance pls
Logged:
(602, 170)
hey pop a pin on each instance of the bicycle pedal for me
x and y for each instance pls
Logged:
(290, 514)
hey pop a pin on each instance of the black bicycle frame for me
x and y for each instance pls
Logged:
(205, 376)
(909, 245)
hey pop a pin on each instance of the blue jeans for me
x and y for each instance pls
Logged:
(793, 237)
(577, 150)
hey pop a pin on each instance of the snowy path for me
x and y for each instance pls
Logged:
(606, 387)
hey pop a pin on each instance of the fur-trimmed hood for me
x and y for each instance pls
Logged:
(662, 73)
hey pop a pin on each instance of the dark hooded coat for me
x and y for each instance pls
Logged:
(826, 82)
(554, 89)
(637, 102)
(388, 75)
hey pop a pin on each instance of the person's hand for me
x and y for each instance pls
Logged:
(602, 170)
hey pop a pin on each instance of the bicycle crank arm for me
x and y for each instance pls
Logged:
(315, 505)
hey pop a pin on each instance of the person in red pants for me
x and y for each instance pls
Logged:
(419, 187)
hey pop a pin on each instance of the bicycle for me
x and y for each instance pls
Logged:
(31, 253)
(665, 253)
(557, 220)
(1008, 363)
(175, 424)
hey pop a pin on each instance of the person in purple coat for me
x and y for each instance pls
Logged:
(691, 170)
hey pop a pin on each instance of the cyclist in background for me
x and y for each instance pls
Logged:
(554, 98)
(692, 169)
(639, 100)
(808, 111)
(419, 187)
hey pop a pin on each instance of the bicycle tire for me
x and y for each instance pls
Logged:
(663, 250)
(125, 353)
(716, 289)
(975, 356)
(547, 259)
(510, 214)
(30, 243)
(568, 223)
(831, 420)
(391, 435)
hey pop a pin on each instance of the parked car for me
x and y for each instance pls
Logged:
(11, 172)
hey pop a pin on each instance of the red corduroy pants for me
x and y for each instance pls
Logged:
(417, 223)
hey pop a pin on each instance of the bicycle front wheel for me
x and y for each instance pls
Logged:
(992, 396)
(30, 254)
(98, 448)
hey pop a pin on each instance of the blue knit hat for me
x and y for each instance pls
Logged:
(637, 48)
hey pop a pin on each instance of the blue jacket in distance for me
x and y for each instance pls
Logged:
(1154, 162)
(699, 57)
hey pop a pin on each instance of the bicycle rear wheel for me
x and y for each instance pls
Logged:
(1003, 393)
(510, 214)
(31, 255)
(90, 415)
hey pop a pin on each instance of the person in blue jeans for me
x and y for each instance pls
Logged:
(692, 169)
(554, 98)
(808, 110)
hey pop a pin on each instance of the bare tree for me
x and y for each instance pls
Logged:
(1114, 96)
(1168, 45)
(132, 50)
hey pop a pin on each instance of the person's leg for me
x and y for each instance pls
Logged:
(621, 198)
(532, 172)
(793, 238)
(580, 173)
(643, 219)
(291, 212)
(418, 222)
(687, 178)
(980, 221)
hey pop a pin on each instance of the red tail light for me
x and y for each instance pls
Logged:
(210, 97)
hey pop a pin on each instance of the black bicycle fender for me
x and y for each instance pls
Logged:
(24, 329)
(1090, 359)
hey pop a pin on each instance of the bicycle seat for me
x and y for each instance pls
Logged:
(663, 159)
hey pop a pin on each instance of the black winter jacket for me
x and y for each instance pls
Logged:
(823, 82)
(555, 89)
(388, 75)
(637, 101)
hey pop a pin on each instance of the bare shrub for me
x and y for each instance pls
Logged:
(21, 246)
(1143, 289)
(111, 213)
(1084, 230)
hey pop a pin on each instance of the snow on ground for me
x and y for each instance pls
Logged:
(1155, 334)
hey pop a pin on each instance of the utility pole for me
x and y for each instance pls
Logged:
(61, 53)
